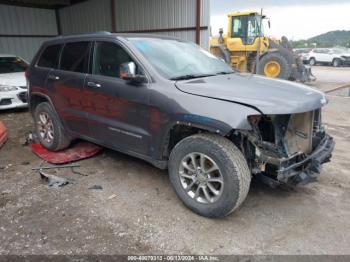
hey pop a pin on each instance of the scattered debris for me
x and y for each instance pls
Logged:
(76, 152)
(338, 88)
(6, 192)
(96, 187)
(3, 134)
(77, 172)
(28, 140)
(54, 167)
(53, 180)
(112, 196)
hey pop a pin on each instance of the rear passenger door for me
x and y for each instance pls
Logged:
(322, 56)
(118, 110)
(67, 83)
(47, 62)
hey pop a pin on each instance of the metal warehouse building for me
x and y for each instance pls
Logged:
(25, 24)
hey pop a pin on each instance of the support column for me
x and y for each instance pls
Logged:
(198, 21)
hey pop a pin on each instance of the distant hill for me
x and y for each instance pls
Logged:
(330, 39)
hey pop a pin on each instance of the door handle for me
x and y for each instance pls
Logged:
(93, 85)
(53, 77)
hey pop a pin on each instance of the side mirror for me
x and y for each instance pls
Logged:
(128, 73)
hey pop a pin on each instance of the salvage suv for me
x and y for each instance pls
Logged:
(175, 105)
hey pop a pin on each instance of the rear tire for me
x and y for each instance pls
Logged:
(49, 129)
(283, 71)
(228, 187)
(336, 62)
(312, 61)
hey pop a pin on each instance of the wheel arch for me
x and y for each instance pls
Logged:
(36, 98)
(179, 130)
(337, 58)
(312, 57)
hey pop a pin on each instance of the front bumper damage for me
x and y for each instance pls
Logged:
(299, 168)
(304, 169)
(288, 149)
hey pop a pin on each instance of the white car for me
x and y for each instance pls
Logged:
(335, 57)
(13, 85)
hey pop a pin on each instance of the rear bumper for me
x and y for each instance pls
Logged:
(305, 168)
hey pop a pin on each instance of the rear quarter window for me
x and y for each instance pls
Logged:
(75, 57)
(50, 56)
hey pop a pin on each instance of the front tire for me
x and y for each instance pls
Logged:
(48, 128)
(336, 62)
(312, 61)
(209, 174)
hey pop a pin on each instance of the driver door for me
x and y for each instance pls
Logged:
(118, 110)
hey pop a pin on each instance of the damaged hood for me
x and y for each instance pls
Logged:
(270, 96)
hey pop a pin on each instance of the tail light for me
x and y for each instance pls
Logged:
(27, 73)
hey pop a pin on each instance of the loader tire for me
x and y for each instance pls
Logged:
(274, 65)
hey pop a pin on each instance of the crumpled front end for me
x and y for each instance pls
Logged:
(288, 149)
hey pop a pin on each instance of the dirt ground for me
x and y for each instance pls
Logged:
(146, 217)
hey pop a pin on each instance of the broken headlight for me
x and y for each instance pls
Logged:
(254, 119)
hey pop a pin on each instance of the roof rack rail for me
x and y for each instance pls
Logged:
(87, 34)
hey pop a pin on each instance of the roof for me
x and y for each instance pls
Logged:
(106, 34)
(242, 13)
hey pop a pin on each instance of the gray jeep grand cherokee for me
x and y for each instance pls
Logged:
(177, 106)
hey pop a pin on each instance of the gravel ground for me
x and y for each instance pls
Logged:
(145, 216)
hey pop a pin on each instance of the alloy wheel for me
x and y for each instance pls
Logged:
(201, 178)
(45, 127)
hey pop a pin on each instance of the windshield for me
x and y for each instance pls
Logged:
(247, 27)
(12, 65)
(175, 59)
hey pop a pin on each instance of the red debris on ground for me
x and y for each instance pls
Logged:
(3, 134)
(78, 151)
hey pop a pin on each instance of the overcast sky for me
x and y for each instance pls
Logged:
(297, 19)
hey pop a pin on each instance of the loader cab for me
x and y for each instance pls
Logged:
(246, 27)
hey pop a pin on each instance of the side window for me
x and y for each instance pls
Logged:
(107, 59)
(237, 27)
(49, 58)
(75, 57)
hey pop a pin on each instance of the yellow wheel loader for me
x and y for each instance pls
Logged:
(247, 49)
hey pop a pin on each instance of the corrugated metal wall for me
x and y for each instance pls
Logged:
(132, 15)
(25, 47)
(95, 15)
(25, 21)
(154, 14)
(89, 16)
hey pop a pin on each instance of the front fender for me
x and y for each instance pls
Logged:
(205, 113)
